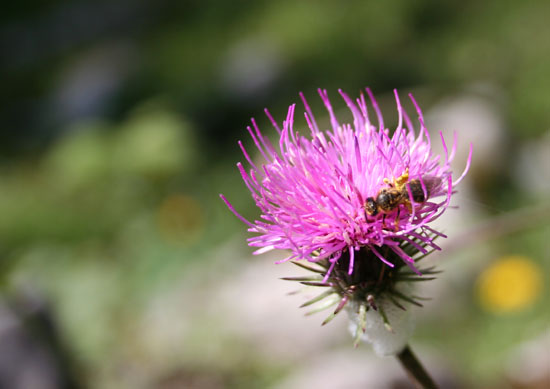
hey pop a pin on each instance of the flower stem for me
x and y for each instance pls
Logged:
(415, 370)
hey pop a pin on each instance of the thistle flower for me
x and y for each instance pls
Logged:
(354, 200)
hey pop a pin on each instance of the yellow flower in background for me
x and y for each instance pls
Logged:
(509, 284)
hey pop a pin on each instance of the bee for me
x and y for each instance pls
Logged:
(388, 199)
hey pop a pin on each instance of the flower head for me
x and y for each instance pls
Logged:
(356, 200)
(350, 187)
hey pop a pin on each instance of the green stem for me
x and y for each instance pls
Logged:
(415, 370)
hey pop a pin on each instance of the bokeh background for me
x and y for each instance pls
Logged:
(121, 268)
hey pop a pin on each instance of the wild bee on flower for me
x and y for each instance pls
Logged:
(401, 191)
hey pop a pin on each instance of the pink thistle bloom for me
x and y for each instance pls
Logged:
(322, 195)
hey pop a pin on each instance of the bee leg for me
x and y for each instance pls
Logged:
(402, 180)
(409, 206)
(397, 219)
(384, 221)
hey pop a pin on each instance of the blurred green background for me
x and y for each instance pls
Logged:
(121, 267)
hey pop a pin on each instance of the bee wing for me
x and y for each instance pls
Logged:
(432, 184)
